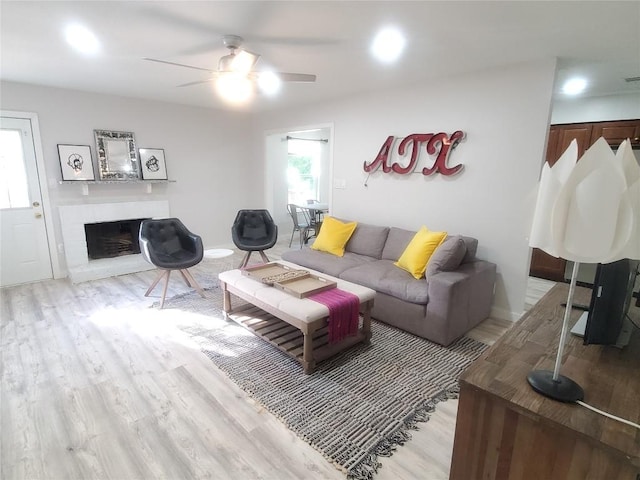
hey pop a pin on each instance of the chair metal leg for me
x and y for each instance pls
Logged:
(265, 259)
(305, 236)
(291, 239)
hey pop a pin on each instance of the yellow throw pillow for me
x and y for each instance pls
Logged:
(415, 257)
(333, 236)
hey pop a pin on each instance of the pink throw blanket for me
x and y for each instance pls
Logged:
(344, 308)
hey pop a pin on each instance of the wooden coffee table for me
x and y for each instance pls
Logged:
(297, 326)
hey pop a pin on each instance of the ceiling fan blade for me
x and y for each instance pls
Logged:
(179, 64)
(199, 82)
(296, 77)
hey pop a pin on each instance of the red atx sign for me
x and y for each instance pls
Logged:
(435, 143)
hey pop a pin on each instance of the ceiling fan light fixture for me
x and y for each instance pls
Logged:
(269, 83)
(225, 63)
(234, 87)
(243, 62)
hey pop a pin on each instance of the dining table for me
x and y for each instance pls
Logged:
(321, 207)
(314, 213)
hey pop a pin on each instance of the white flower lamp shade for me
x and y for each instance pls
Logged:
(587, 211)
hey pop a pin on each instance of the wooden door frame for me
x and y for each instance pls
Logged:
(43, 185)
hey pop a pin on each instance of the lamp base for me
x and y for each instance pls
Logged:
(563, 389)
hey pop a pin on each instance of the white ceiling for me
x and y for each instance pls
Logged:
(599, 40)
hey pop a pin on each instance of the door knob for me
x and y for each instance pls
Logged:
(36, 204)
(38, 215)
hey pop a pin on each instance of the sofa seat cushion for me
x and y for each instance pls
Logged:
(325, 262)
(383, 276)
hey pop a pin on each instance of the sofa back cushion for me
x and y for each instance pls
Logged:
(472, 248)
(368, 240)
(447, 256)
(397, 242)
(399, 238)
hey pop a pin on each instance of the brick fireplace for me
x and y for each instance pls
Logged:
(74, 220)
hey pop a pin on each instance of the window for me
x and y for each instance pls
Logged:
(14, 189)
(303, 172)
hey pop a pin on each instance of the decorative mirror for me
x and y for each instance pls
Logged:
(117, 155)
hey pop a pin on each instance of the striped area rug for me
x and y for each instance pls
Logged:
(356, 406)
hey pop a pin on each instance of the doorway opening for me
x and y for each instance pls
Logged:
(304, 169)
(298, 169)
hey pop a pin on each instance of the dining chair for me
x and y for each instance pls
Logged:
(315, 217)
(300, 223)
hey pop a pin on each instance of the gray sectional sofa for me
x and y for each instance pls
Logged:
(454, 297)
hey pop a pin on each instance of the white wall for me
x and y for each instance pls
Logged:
(207, 154)
(276, 186)
(505, 114)
(596, 109)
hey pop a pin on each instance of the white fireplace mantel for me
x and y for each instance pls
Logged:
(148, 184)
(73, 219)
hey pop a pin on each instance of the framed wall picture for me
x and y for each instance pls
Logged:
(152, 164)
(117, 156)
(76, 162)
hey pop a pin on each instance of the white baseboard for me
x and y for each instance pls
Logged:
(504, 314)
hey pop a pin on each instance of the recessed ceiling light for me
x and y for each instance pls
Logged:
(388, 45)
(82, 39)
(574, 86)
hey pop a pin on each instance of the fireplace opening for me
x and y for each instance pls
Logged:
(112, 239)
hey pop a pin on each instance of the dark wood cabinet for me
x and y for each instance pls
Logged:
(546, 266)
(617, 132)
(560, 136)
(582, 133)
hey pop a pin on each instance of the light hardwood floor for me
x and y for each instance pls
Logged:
(95, 384)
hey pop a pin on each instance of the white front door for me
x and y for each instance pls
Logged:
(24, 251)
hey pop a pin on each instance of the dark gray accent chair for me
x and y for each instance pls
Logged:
(169, 245)
(254, 231)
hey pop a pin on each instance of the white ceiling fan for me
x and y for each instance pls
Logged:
(237, 67)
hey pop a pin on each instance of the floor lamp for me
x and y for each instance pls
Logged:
(587, 211)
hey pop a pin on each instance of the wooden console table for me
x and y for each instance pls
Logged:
(505, 430)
